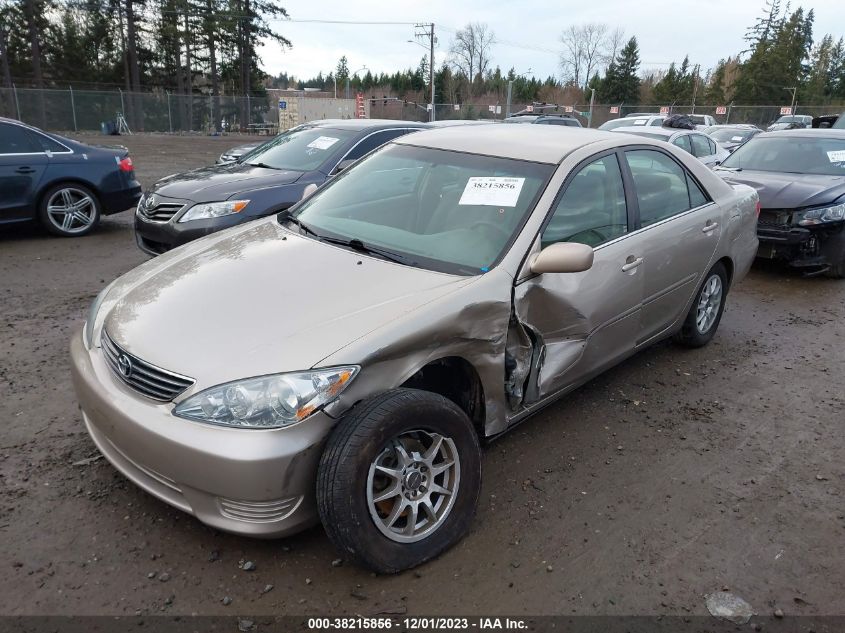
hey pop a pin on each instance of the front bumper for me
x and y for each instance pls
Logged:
(250, 482)
(807, 248)
(155, 238)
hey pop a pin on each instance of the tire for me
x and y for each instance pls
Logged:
(705, 314)
(351, 479)
(83, 205)
(837, 270)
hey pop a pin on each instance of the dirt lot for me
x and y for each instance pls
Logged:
(676, 474)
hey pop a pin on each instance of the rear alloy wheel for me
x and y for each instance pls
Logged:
(69, 210)
(706, 311)
(399, 480)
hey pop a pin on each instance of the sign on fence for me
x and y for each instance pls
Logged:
(283, 105)
(614, 109)
(664, 109)
(786, 110)
(569, 108)
(457, 107)
(721, 110)
(529, 108)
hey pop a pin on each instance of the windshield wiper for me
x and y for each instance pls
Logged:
(264, 165)
(723, 168)
(285, 216)
(357, 245)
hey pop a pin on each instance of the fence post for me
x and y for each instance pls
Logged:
(248, 117)
(73, 108)
(17, 103)
(728, 118)
(122, 107)
(169, 115)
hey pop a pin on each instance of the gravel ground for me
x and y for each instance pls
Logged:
(674, 475)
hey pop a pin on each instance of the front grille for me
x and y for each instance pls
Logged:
(775, 217)
(163, 212)
(145, 378)
(258, 511)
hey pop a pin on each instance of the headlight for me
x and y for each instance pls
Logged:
(267, 402)
(88, 332)
(834, 213)
(207, 210)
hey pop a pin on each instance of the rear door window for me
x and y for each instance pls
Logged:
(662, 186)
(701, 146)
(683, 143)
(15, 139)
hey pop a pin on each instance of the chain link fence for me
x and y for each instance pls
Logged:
(87, 110)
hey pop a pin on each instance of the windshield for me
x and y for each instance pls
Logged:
(436, 209)
(697, 118)
(520, 119)
(300, 149)
(790, 154)
(729, 135)
(623, 123)
(791, 119)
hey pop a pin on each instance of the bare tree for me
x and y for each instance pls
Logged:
(470, 50)
(586, 49)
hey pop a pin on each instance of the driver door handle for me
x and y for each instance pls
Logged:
(631, 263)
(25, 170)
(710, 226)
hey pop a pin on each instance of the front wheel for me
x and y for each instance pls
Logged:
(706, 311)
(399, 480)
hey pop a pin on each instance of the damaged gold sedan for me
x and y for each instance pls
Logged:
(341, 361)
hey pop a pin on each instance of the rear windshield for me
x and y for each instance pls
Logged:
(301, 149)
(656, 137)
(794, 155)
(623, 123)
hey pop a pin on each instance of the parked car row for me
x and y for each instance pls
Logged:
(339, 361)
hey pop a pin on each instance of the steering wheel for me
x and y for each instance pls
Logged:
(487, 223)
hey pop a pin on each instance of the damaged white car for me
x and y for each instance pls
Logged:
(341, 361)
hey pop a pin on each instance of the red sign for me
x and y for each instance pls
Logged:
(360, 112)
(614, 109)
(529, 108)
(664, 110)
(721, 110)
(786, 110)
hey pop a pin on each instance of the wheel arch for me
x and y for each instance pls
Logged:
(728, 263)
(456, 379)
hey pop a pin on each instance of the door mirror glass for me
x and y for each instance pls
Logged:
(344, 164)
(563, 257)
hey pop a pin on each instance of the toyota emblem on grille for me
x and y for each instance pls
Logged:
(124, 364)
(152, 202)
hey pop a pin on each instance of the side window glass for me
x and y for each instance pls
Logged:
(372, 142)
(49, 145)
(592, 210)
(683, 143)
(700, 146)
(660, 183)
(15, 139)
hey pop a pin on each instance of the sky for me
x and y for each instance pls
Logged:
(528, 33)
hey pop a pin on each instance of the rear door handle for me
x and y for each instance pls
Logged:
(631, 263)
(710, 226)
(25, 170)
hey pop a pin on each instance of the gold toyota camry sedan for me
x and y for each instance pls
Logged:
(340, 362)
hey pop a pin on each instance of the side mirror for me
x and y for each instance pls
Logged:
(717, 163)
(308, 191)
(562, 257)
(344, 164)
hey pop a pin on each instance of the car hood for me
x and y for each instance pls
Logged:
(220, 182)
(789, 191)
(260, 299)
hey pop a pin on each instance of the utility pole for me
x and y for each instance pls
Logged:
(592, 100)
(422, 31)
(791, 105)
(694, 87)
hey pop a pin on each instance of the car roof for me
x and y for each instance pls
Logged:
(362, 124)
(807, 132)
(537, 143)
(662, 131)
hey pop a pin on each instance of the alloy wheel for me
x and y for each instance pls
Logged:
(709, 302)
(412, 485)
(71, 210)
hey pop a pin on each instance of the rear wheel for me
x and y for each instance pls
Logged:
(706, 310)
(69, 210)
(399, 480)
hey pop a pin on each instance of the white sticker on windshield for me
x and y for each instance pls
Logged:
(736, 138)
(837, 156)
(639, 121)
(323, 142)
(493, 191)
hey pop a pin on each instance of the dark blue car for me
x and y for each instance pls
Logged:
(64, 184)
(266, 180)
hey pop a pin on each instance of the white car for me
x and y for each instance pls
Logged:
(644, 121)
(696, 143)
